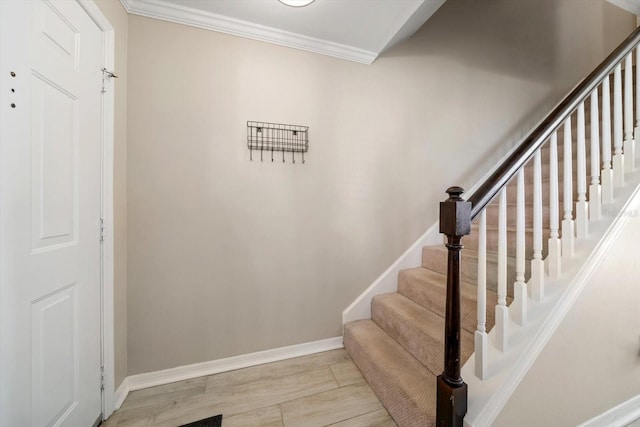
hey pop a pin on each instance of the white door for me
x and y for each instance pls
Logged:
(50, 195)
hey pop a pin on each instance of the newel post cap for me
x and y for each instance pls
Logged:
(455, 213)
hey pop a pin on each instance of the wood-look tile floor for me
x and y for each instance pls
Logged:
(324, 389)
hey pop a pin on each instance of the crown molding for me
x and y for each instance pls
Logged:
(166, 11)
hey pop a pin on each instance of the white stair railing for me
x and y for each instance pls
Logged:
(555, 244)
(537, 264)
(502, 312)
(568, 224)
(629, 143)
(607, 174)
(520, 286)
(607, 171)
(481, 336)
(637, 128)
(618, 160)
(595, 190)
(582, 206)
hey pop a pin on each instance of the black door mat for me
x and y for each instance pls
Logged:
(207, 422)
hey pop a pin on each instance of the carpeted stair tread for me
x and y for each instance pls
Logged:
(429, 289)
(435, 258)
(406, 388)
(416, 329)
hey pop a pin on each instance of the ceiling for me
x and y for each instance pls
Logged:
(632, 6)
(355, 30)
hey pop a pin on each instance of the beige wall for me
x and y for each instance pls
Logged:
(591, 362)
(228, 256)
(118, 18)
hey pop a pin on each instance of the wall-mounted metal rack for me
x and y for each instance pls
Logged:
(274, 137)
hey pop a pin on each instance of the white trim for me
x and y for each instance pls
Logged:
(631, 6)
(179, 14)
(618, 416)
(107, 133)
(388, 281)
(181, 373)
(490, 396)
(121, 394)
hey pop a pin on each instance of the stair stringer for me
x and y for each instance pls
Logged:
(506, 369)
(360, 308)
(387, 282)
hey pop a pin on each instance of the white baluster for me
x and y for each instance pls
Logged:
(582, 206)
(502, 312)
(595, 191)
(553, 258)
(568, 225)
(629, 143)
(618, 157)
(537, 265)
(607, 171)
(637, 85)
(519, 306)
(481, 337)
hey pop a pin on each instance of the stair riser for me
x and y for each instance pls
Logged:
(545, 167)
(528, 186)
(512, 193)
(437, 261)
(433, 297)
(408, 396)
(426, 348)
(493, 210)
(545, 158)
(471, 241)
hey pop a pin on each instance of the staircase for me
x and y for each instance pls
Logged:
(400, 350)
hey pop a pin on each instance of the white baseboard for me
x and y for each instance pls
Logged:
(181, 373)
(618, 416)
(121, 394)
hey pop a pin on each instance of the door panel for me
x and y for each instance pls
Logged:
(55, 356)
(54, 133)
(50, 202)
(59, 34)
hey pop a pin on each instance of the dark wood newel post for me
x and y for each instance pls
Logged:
(455, 222)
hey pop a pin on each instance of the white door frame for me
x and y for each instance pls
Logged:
(107, 135)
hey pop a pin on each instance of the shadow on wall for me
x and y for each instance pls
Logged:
(539, 50)
(510, 47)
(490, 38)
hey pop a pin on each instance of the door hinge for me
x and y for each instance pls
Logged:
(101, 230)
(101, 378)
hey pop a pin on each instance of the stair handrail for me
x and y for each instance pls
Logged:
(456, 215)
(537, 137)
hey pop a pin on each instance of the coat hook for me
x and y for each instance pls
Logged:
(273, 137)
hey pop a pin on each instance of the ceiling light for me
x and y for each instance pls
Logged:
(296, 3)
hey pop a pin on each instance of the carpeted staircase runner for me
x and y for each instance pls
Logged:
(400, 349)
